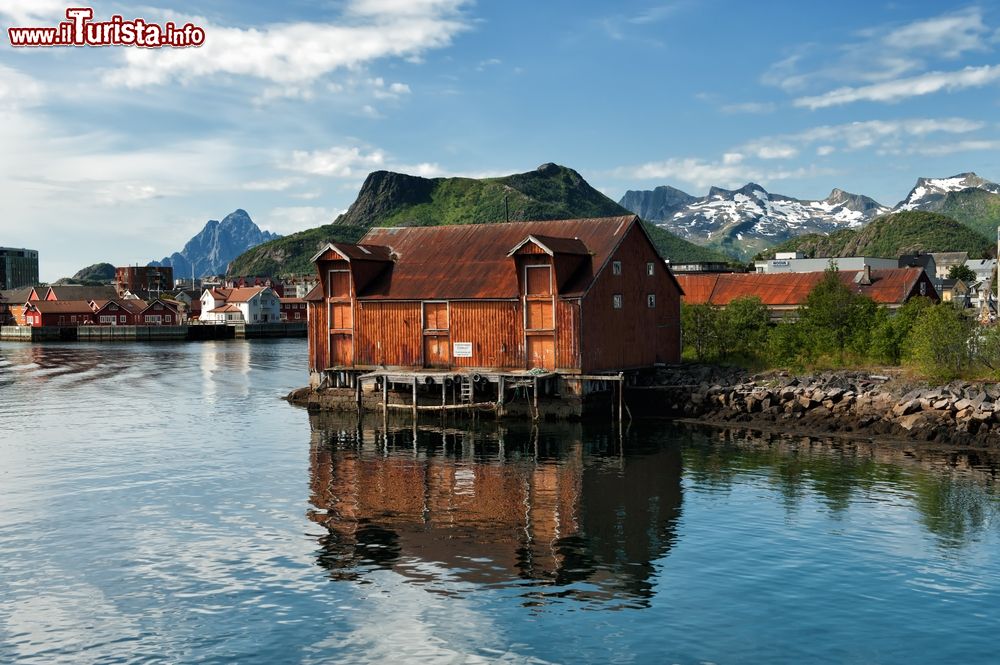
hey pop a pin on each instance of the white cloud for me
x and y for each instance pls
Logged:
(392, 91)
(272, 185)
(291, 219)
(950, 35)
(750, 107)
(299, 53)
(338, 161)
(774, 151)
(893, 91)
(881, 55)
(34, 12)
(18, 90)
(750, 161)
(704, 173)
(952, 147)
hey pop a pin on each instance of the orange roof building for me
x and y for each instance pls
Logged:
(786, 292)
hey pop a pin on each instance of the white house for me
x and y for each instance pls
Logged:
(254, 304)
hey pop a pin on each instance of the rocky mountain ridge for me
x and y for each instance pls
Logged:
(216, 245)
(747, 220)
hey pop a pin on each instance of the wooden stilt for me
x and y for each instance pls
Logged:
(534, 416)
(385, 396)
(500, 395)
(414, 399)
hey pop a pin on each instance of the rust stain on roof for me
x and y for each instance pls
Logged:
(890, 286)
(471, 260)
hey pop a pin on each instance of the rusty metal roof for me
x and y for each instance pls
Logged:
(361, 252)
(890, 286)
(471, 261)
(552, 245)
(315, 294)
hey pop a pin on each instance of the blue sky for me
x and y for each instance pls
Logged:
(121, 154)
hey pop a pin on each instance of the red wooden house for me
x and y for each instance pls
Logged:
(577, 296)
(159, 313)
(117, 312)
(57, 313)
(293, 309)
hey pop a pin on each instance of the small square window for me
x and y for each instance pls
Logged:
(651, 300)
(616, 267)
(650, 268)
(616, 301)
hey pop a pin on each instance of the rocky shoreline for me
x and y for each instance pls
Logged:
(855, 403)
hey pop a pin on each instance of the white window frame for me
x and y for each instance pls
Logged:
(651, 300)
(616, 267)
(650, 268)
(617, 301)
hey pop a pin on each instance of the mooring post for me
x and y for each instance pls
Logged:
(500, 391)
(357, 394)
(534, 416)
(385, 397)
(414, 399)
(621, 393)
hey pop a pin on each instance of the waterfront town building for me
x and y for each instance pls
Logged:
(256, 304)
(565, 297)
(18, 268)
(144, 281)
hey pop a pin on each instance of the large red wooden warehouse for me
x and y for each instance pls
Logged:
(580, 296)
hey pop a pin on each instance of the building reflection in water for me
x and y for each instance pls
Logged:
(557, 509)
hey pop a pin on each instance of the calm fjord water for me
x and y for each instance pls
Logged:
(161, 503)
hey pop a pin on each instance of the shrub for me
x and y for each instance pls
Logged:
(939, 342)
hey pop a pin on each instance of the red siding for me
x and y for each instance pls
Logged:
(495, 329)
(388, 333)
(635, 335)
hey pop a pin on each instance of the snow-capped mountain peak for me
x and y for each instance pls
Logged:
(929, 190)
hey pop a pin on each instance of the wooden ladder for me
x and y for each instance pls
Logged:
(467, 388)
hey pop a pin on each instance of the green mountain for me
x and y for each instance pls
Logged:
(976, 208)
(395, 199)
(99, 273)
(890, 236)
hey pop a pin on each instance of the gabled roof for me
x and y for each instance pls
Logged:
(129, 305)
(315, 294)
(471, 260)
(890, 286)
(62, 306)
(552, 245)
(246, 293)
(16, 296)
(224, 309)
(75, 292)
(361, 252)
(949, 257)
(290, 301)
(166, 303)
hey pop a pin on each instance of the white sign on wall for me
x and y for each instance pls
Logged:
(462, 349)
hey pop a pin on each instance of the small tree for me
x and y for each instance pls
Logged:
(786, 344)
(743, 327)
(962, 272)
(700, 329)
(889, 334)
(827, 314)
(938, 343)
